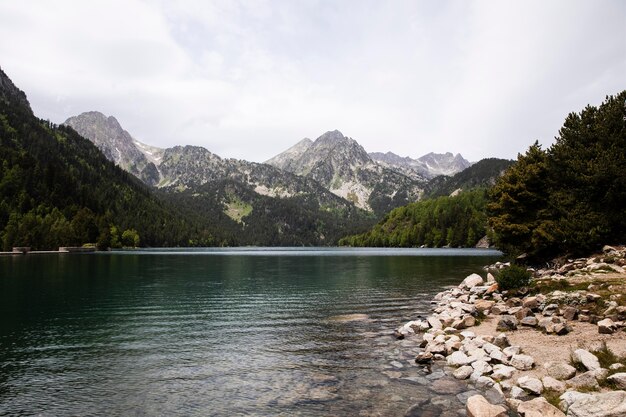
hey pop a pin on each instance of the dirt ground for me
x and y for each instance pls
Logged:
(544, 348)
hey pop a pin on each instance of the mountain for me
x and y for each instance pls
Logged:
(483, 173)
(58, 189)
(187, 167)
(117, 145)
(258, 204)
(342, 166)
(451, 213)
(285, 159)
(427, 166)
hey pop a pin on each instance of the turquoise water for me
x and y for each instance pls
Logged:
(218, 332)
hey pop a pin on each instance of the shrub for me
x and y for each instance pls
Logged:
(513, 277)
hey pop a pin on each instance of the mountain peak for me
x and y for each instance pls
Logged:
(117, 144)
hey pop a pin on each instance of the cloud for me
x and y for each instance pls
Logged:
(248, 79)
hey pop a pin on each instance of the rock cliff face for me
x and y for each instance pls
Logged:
(342, 166)
(118, 145)
(427, 166)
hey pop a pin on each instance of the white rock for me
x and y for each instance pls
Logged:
(478, 406)
(512, 351)
(522, 362)
(530, 384)
(551, 384)
(463, 372)
(481, 367)
(560, 370)
(472, 281)
(586, 381)
(588, 359)
(608, 404)
(467, 334)
(485, 381)
(458, 358)
(517, 392)
(538, 407)
(490, 347)
(434, 322)
(570, 397)
(502, 372)
(498, 356)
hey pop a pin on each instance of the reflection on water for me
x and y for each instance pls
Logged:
(288, 332)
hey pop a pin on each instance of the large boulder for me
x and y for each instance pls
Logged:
(483, 305)
(606, 326)
(458, 358)
(435, 323)
(551, 384)
(507, 323)
(471, 281)
(478, 406)
(530, 384)
(587, 359)
(463, 372)
(522, 362)
(538, 407)
(586, 381)
(607, 404)
(501, 372)
(570, 397)
(560, 370)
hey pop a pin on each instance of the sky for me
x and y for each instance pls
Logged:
(248, 79)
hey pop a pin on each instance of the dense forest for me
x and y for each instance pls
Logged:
(457, 221)
(57, 189)
(570, 198)
(266, 221)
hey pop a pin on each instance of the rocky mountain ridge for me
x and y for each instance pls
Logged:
(341, 165)
(181, 168)
(333, 163)
(117, 145)
(427, 166)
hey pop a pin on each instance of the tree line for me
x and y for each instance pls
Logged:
(458, 221)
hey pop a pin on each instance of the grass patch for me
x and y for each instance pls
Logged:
(237, 210)
(552, 397)
(606, 356)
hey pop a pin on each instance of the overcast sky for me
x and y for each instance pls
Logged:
(248, 79)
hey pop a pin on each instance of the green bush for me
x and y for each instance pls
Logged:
(513, 277)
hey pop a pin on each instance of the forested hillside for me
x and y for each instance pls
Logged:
(56, 188)
(457, 221)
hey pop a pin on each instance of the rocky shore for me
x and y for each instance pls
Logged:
(556, 348)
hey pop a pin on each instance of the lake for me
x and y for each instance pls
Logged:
(223, 332)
